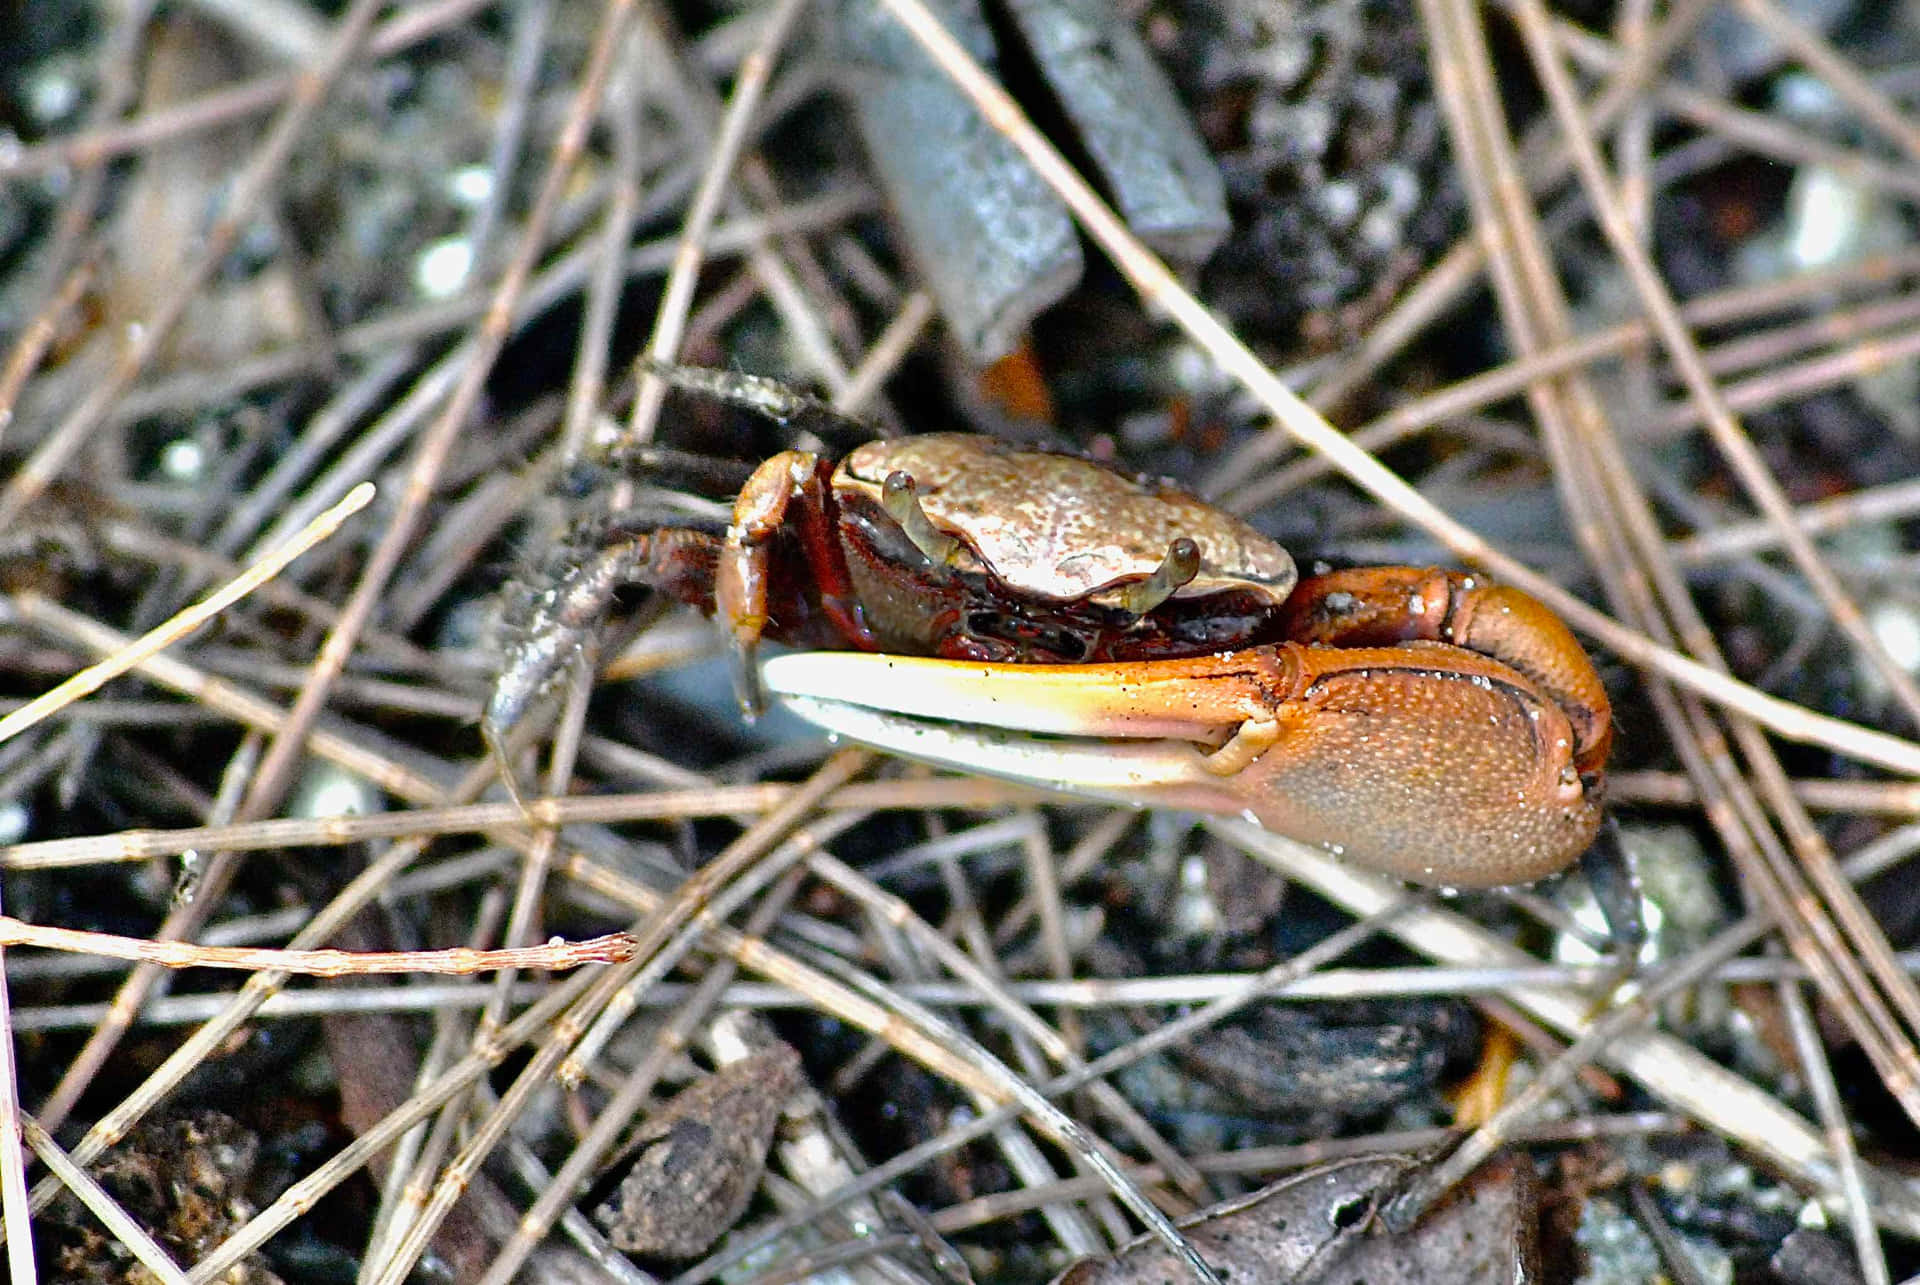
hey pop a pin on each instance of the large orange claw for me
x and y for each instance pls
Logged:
(1421, 759)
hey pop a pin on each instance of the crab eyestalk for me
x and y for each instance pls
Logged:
(902, 503)
(1175, 571)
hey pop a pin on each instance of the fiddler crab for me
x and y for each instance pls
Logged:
(1040, 617)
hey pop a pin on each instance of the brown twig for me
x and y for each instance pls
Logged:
(555, 955)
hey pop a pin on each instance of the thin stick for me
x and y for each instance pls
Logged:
(1489, 386)
(620, 112)
(1078, 996)
(244, 196)
(34, 341)
(588, 1153)
(1759, 132)
(661, 944)
(1061, 1128)
(228, 699)
(1459, 48)
(1461, 267)
(305, 1192)
(221, 107)
(164, 635)
(553, 956)
(359, 892)
(748, 88)
(1666, 1067)
(980, 980)
(937, 793)
(117, 87)
(1817, 1073)
(1245, 991)
(101, 1205)
(1893, 502)
(1812, 50)
(198, 388)
(1790, 382)
(15, 1216)
(289, 742)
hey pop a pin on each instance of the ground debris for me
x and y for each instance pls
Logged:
(186, 1179)
(700, 1158)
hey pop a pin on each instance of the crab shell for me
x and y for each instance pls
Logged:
(1062, 528)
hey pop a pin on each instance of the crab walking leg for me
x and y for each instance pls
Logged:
(548, 627)
(741, 574)
(1423, 760)
(788, 488)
